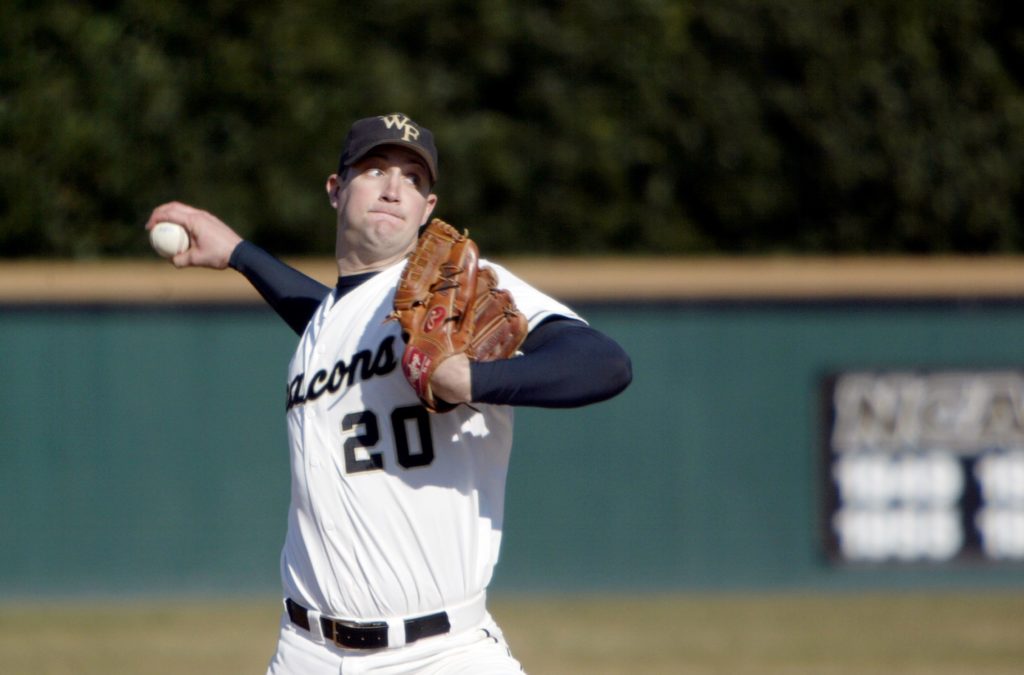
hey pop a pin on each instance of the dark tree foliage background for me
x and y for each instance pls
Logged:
(644, 126)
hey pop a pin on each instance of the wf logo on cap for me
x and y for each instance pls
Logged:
(403, 124)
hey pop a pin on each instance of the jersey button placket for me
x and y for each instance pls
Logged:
(314, 418)
(311, 425)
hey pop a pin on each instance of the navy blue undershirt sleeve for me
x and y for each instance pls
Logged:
(292, 294)
(565, 364)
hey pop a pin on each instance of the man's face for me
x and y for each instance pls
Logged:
(382, 200)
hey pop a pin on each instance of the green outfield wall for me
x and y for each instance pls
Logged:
(143, 447)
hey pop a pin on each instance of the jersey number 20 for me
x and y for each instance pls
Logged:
(359, 447)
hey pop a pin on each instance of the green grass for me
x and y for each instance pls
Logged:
(772, 634)
(761, 634)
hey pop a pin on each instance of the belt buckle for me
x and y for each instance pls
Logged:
(356, 635)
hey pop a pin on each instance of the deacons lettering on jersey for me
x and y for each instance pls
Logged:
(394, 511)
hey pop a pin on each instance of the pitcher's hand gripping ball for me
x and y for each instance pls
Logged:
(447, 305)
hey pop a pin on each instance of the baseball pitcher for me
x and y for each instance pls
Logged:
(399, 402)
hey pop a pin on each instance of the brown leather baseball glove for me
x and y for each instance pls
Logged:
(498, 327)
(448, 305)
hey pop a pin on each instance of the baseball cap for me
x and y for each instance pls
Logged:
(392, 129)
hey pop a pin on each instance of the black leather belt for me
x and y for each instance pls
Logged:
(370, 635)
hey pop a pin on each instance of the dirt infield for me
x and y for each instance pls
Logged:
(155, 281)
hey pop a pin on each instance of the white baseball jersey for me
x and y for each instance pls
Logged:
(395, 512)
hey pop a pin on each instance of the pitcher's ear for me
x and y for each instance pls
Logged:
(333, 187)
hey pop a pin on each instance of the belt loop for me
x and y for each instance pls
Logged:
(316, 627)
(396, 633)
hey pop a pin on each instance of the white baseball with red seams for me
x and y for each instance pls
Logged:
(395, 511)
